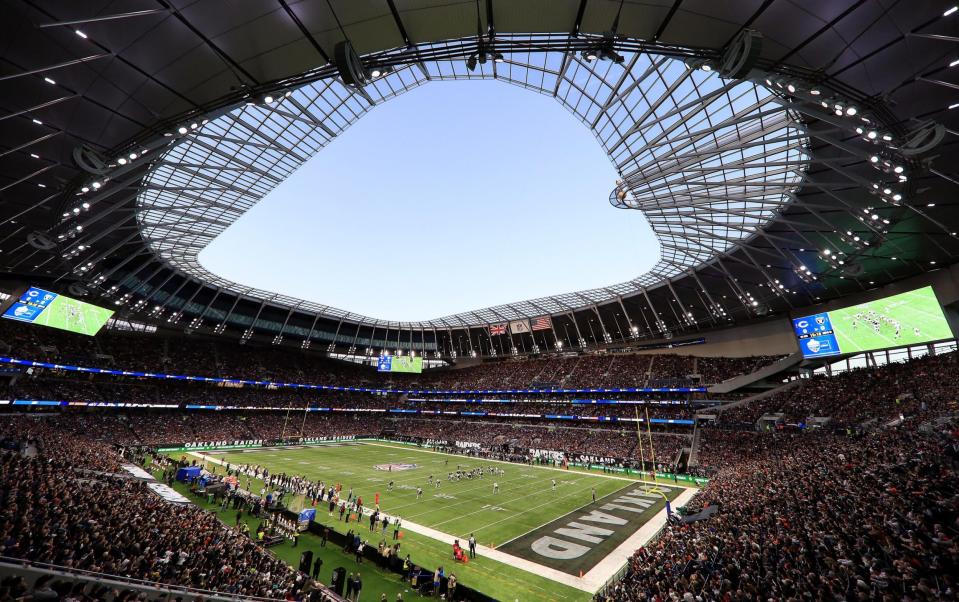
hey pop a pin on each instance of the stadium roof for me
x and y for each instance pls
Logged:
(767, 191)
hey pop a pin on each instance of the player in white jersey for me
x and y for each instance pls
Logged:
(495, 488)
(554, 484)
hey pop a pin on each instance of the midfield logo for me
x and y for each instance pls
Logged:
(396, 467)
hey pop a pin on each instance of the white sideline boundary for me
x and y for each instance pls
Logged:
(590, 582)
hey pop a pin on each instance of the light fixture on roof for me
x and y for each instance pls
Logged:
(182, 130)
(953, 106)
(122, 161)
(498, 57)
(590, 55)
(268, 99)
(80, 33)
(609, 53)
(950, 11)
(53, 83)
(471, 62)
(376, 72)
(37, 121)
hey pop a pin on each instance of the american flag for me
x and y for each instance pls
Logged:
(542, 323)
(497, 329)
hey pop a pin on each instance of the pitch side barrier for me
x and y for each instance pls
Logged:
(279, 385)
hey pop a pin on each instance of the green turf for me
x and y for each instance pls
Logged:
(918, 313)
(525, 502)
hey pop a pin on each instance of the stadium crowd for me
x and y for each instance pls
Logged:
(926, 385)
(196, 356)
(73, 387)
(818, 516)
(63, 504)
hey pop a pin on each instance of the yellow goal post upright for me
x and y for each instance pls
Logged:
(642, 458)
(652, 450)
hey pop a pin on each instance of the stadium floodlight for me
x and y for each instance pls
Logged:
(182, 130)
(471, 62)
(590, 55)
(608, 53)
(498, 57)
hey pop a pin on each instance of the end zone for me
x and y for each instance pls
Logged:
(576, 542)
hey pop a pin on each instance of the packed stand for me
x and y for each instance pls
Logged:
(921, 386)
(61, 504)
(815, 516)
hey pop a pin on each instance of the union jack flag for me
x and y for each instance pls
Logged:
(542, 323)
(497, 329)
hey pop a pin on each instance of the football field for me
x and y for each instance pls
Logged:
(544, 541)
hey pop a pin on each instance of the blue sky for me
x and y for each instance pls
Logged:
(451, 197)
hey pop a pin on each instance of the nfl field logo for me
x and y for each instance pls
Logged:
(395, 467)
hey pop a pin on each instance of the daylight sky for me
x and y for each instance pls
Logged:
(451, 197)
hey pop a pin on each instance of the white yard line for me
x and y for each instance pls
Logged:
(591, 581)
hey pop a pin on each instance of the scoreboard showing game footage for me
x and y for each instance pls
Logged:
(908, 318)
(399, 363)
(38, 306)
